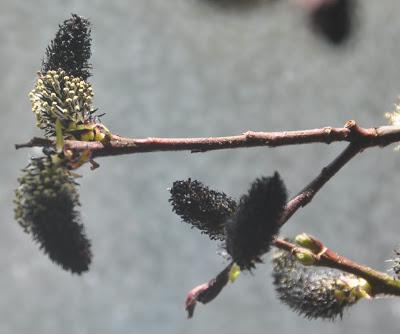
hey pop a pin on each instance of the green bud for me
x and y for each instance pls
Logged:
(304, 256)
(309, 242)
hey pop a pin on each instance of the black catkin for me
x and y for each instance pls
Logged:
(201, 207)
(70, 49)
(251, 230)
(46, 207)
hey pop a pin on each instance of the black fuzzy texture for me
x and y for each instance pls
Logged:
(46, 207)
(70, 49)
(251, 230)
(202, 207)
(334, 20)
(60, 234)
(309, 291)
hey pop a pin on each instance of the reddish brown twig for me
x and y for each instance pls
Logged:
(206, 292)
(380, 136)
(307, 194)
(360, 139)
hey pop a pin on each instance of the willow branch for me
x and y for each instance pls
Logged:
(381, 283)
(380, 136)
(358, 137)
(307, 194)
(361, 140)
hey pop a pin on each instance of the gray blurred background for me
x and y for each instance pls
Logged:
(188, 68)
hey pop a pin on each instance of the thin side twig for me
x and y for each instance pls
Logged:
(307, 194)
(360, 140)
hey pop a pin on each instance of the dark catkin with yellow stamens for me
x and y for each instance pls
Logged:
(57, 95)
(201, 207)
(250, 231)
(46, 207)
(70, 48)
(315, 292)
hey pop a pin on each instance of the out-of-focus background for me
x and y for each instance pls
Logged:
(197, 68)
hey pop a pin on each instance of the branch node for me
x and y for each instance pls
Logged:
(116, 145)
(248, 134)
(327, 130)
(350, 124)
(355, 131)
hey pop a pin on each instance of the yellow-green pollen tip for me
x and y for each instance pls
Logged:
(352, 288)
(234, 273)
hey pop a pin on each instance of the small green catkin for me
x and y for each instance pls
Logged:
(46, 204)
(314, 292)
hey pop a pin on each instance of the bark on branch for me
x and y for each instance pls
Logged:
(351, 132)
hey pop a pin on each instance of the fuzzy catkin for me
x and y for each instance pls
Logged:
(70, 50)
(314, 292)
(57, 95)
(46, 207)
(201, 207)
(256, 221)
